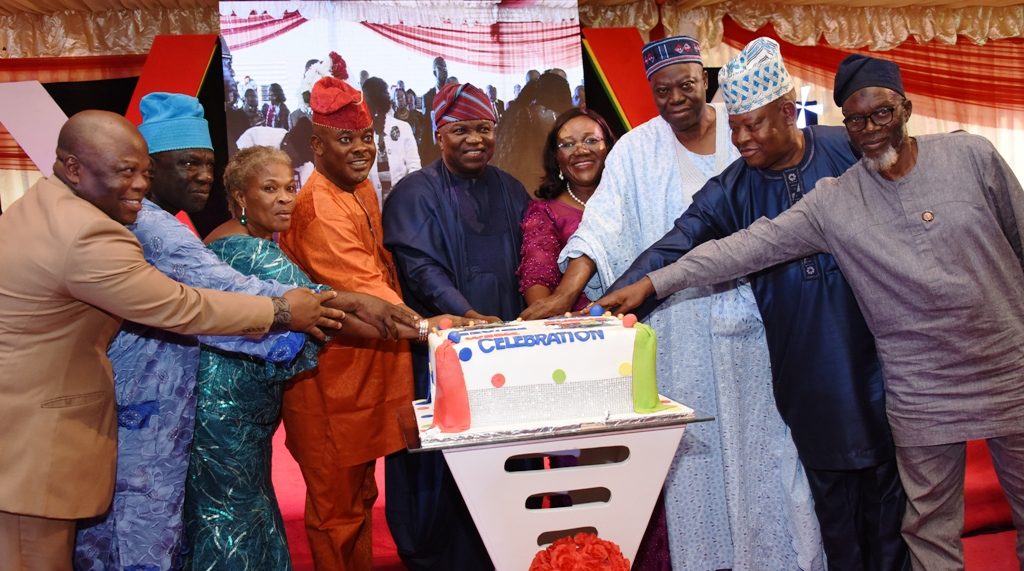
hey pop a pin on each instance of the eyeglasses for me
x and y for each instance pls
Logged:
(590, 143)
(880, 117)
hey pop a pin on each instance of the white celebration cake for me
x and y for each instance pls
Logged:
(560, 369)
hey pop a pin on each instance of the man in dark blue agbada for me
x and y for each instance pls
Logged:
(453, 229)
(828, 383)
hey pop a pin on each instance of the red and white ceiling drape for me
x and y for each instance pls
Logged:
(963, 82)
(245, 31)
(503, 47)
(494, 35)
(977, 88)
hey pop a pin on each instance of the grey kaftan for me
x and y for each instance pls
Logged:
(935, 261)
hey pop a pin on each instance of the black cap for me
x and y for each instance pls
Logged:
(859, 71)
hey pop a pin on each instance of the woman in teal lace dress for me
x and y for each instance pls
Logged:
(231, 514)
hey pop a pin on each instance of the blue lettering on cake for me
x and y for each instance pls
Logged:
(539, 339)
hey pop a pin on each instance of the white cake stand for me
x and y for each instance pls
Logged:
(496, 498)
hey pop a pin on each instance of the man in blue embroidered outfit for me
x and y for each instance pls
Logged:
(928, 232)
(155, 370)
(828, 382)
(728, 475)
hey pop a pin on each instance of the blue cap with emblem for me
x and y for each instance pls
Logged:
(668, 51)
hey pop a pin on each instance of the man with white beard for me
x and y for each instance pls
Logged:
(928, 232)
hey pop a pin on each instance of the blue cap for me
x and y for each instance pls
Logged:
(858, 71)
(669, 51)
(172, 121)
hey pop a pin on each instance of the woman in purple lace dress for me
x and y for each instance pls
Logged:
(574, 153)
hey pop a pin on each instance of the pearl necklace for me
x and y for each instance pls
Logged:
(574, 197)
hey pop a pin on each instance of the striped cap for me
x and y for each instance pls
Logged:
(669, 51)
(462, 102)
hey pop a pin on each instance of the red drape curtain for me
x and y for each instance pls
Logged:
(54, 70)
(955, 82)
(11, 155)
(504, 47)
(245, 31)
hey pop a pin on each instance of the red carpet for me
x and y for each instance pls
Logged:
(291, 494)
(982, 552)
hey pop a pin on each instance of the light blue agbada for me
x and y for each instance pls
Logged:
(736, 496)
(154, 381)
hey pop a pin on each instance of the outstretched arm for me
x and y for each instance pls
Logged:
(383, 318)
(577, 274)
(793, 234)
(628, 298)
(708, 217)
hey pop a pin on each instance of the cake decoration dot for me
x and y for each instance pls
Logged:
(625, 369)
(454, 336)
(596, 310)
(445, 323)
(629, 320)
(558, 376)
(498, 380)
(465, 354)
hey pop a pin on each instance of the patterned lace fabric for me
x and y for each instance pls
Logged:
(232, 520)
(154, 381)
(735, 496)
(547, 226)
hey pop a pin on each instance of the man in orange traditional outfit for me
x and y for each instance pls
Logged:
(343, 416)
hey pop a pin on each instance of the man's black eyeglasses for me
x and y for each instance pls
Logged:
(880, 117)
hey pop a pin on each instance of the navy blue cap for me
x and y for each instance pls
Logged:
(858, 71)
